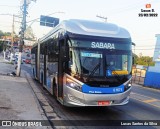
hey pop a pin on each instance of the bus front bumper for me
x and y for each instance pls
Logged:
(75, 98)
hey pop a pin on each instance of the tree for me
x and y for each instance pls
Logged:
(143, 60)
(4, 33)
(1, 46)
(1, 42)
(7, 33)
(135, 58)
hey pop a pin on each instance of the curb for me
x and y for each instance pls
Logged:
(40, 108)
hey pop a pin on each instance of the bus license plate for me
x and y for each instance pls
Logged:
(103, 103)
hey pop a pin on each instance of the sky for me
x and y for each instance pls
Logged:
(124, 13)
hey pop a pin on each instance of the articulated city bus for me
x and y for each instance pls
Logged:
(85, 63)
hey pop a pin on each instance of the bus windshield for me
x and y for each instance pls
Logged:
(101, 63)
(101, 58)
(116, 62)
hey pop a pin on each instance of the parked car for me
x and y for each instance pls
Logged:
(28, 61)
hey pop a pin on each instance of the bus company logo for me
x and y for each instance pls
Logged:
(148, 11)
(102, 45)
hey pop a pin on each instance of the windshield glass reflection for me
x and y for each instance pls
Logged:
(91, 63)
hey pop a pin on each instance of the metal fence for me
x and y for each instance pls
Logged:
(138, 75)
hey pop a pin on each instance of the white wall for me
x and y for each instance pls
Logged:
(156, 56)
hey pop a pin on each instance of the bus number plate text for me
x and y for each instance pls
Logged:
(103, 103)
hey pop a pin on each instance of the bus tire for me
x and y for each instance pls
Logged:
(33, 73)
(42, 80)
(54, 88)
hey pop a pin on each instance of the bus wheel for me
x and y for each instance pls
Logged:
(33, 73)
(54, 88)
(42, 80)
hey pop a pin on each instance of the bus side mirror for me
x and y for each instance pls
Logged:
(133, 60)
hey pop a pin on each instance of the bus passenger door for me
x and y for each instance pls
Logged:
(63, 57)
(36, 64)
(60, 70)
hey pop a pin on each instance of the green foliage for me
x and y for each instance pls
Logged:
(7, 33)
(1, 46)
(144, 60)
(4, 33)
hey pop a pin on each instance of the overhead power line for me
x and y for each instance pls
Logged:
(12, 6)
(148, 49)
(146, 46)
(102, 17)
(5, 26)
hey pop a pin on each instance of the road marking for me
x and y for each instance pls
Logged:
(150, 100)
(140, 97)
(145, 99)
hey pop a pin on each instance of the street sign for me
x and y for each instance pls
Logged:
(48, 21)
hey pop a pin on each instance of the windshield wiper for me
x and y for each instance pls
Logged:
(94, 69)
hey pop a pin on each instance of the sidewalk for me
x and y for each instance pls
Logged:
(17, 99)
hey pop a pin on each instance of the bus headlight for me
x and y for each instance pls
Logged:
(128, 85)
(73, 84)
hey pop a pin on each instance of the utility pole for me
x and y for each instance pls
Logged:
(24, 11)
(105, 18)
(23, 28)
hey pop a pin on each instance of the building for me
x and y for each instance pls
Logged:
(28, 45)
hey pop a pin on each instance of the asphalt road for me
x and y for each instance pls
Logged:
(144, 105)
